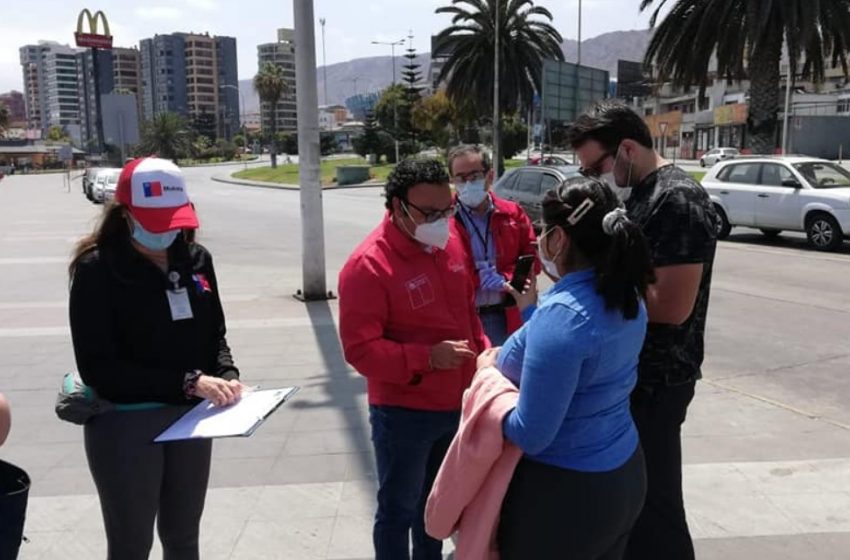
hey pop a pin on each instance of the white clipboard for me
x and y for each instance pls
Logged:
(241, 419)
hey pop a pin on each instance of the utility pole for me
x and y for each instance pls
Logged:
(392, 46)
(312, 220)
(786, 119)
(579, 33)
(497, 139)
(324, 63)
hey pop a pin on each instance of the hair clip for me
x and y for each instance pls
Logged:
(580, 212)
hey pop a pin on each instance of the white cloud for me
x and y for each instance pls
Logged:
(207, 5)
(168, 13)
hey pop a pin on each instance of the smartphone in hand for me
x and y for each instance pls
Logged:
(524, 265)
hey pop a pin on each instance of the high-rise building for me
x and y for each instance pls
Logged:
(228, 86)
(282, 54)
(195, 76)
(51, 84)
(88, 95)
(163, 64)
(14, 102)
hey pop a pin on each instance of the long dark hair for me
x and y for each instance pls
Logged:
(603, 237)
(113, 231)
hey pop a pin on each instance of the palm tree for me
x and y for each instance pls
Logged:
(526, 38)
(270, 86)
(166, 136)
(746, 37)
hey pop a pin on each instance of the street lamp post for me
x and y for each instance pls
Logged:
(324, 63)
(392, 45)
(312, 219)
(242, 118)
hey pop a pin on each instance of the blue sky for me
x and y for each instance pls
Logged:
(351, 24)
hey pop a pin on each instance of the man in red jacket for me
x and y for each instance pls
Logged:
(408, 324)
(496, 233)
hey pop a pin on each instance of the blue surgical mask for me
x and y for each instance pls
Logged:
(153, 241)
(472, 193)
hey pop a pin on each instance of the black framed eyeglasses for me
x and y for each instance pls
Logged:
(462, 178)
(595, 171)
(432, 216)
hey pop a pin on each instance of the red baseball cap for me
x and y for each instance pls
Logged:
(154, 191)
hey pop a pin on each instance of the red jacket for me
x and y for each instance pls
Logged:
(396, 302)
(513, 236)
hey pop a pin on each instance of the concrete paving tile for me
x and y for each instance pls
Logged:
(297, 539)
(309, 468)
(816, 513)
(358, 498)
(322, 442)
(722, 515)
(262, 443)
(63, 481)
(794, 547)
(351, 538)
(280, 503)
(230, 473)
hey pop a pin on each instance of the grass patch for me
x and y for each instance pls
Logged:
(698, 175)
(288, 173)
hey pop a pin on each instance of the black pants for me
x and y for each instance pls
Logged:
(661, 532)
(551, 513)
(139, 481)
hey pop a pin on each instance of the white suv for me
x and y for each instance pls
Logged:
(783, 193)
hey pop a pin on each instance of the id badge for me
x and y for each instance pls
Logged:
(181, 307)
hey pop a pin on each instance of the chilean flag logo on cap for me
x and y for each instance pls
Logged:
(152, 188)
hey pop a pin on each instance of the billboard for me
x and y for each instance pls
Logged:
(570, 89)
(632, 80)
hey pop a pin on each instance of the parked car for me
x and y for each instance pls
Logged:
(88, 181)
(711, 157)
(100, 184)
(111, 184)
(776, 194)
(551, 160)
(527, 185)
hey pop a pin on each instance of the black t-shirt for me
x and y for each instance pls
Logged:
(678, 218)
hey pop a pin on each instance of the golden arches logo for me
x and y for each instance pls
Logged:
(93, 38)
(92, 19)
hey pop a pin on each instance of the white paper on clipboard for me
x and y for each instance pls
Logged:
(241, 419)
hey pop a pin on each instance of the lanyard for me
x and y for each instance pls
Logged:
(483, 237)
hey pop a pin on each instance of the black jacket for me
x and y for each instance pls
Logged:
(127, 347)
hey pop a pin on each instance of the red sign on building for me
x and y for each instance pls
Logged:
(93, 40)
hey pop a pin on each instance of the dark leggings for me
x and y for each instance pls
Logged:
(552, 513)
(139, 482)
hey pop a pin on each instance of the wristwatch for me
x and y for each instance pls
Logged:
(190, 383)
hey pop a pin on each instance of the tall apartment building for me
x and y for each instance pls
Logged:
(163, 65)
(282, 54)
(193, 75)
(51, 86)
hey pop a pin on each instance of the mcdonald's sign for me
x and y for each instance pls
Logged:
(93, 39)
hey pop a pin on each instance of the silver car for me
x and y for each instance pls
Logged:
(527, 185)
(718, 154)
(105, 180)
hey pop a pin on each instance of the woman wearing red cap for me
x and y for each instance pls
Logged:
(149, 335)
